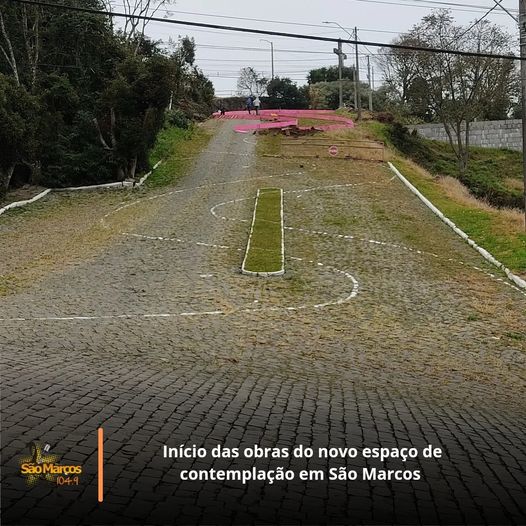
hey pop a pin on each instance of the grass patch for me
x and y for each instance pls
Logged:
(176, 148)
(500, 230)
(491, 228)
(265, 245)
(268, 145)
(518, 336)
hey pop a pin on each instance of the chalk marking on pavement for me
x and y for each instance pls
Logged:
(200, 187)
(355, 284)
(353, 293)
(213, 211)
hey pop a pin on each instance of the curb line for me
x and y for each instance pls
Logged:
(18, 204)
(265, 274)
(483, 252)
(120, 184)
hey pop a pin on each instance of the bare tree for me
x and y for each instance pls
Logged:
(138, 14)
(250, 82)
(20, 44)
(400, 69)
(456, 89)
(7, 48)
(31, 34)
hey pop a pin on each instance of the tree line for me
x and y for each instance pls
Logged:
(419, 86)
(320, 92)
(82, 100)
(454, 90)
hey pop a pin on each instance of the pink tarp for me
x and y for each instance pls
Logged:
(282, 118)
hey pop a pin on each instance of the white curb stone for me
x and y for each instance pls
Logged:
(483, 252)
(18, 204)
(120, 184)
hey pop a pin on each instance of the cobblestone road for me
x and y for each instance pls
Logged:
(160, 340)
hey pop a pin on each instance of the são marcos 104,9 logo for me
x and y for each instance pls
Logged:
(43, 465)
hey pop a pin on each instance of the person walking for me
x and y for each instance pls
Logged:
(257, 104)
(250, 104)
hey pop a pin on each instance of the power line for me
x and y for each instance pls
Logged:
(295, 61)
(267, 32)
(506, 10)
(246, 48)
(303, 24)
(288, 51)
(454, 6)
(213, 76)
(263, 60)
(248, 19)
(464, 33)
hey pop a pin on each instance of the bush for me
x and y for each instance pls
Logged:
(178, 119)
(385, 117)
(486, 169)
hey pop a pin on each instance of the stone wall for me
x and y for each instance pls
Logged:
(488, 134)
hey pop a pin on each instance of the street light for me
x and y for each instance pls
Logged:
(357, 99)
(271, 53)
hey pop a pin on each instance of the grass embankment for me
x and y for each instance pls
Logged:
(500, 231)
(176, 148)
(475, 201)
(264, 254)
(494, 175)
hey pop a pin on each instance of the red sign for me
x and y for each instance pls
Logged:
(333, 151)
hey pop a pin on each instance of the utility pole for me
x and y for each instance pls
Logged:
(522, 30)
(341, 57)
(271, 54)
(370, 83)
(357, 76)
(272, 58)
(355, 88)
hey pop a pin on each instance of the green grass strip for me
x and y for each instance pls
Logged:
(176, 148)
(265, 248)
(487, 228)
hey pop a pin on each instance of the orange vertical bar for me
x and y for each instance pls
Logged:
(101, 464)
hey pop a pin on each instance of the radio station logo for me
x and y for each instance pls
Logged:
(42, 465)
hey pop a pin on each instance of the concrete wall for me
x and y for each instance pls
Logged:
(488, 134)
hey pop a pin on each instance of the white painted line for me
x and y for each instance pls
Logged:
(174, 192)
(483, 252)
(354, 292)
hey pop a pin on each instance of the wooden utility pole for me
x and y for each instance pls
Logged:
(522, 30)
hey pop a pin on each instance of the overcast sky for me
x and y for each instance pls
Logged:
(377, 20)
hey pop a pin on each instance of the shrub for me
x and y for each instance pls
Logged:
(385, 117)
(178, 119)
